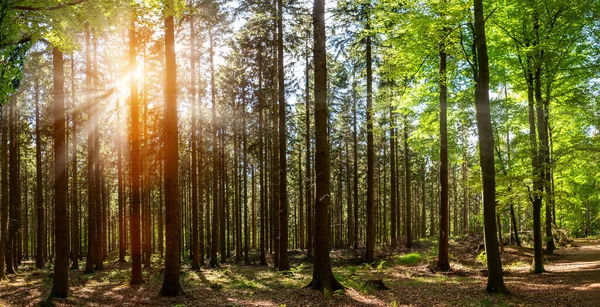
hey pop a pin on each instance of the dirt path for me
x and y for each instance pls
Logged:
(572, 278)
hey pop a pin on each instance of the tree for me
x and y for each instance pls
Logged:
(195, 235)
(39, 255)
(91, 232)
(136, 253)
(283, 264)
(486, 155)
(171, 285)
(322, 275)
(370, 251)
(443, 263)
(60, 286)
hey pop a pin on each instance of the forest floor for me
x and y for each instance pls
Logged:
(572, 279)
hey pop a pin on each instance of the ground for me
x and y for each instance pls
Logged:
(573, 279)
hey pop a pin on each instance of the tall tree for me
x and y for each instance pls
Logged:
(60, 286)
(74, 191)
(283, 264)
(370, 251)
(91, 221)
(134, 109)
(322, 275)
(171, 285)
(486, 154)
(443, 262)
(195, 238)
(39, 189)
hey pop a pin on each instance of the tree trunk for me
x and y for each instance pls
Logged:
(74, 212)
(443, 262)
(355, 159)
(407, 191)
(486, 155)
(13, 193)
(215, 161)
(194, 175)
(171, 285)
(39, 201)
(263, 215)
(91, 220)
(393, 179)
(322, 275)
(4, 196)
(60, 286)
(370, 251)
(136, 253)
(308, 181)
(283, 264)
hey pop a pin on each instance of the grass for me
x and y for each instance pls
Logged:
(408, 259)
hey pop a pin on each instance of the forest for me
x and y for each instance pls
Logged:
(299, 153)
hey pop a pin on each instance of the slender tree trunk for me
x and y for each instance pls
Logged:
(136, 253)
(60, 286)
(4, 197)
(407, 191)
(308, 180)
(245, 178)
(263, 213)
(171, 285)
(393, 178)
(39, 201)
(13, 195)
(486, 155)
(370, 251)
(120, 192)
(98, 243)
(215, 161)
(322, 275)
(194, 175)
(74, 212)
(355, 159)
(443, 262)
(283, 264)
(542, 112)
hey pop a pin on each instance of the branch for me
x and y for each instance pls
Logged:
(48, 8)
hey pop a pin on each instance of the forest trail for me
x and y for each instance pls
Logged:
(581, 267)
(572, 278)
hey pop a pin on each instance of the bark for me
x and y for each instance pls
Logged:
(99, 242)
(60, 287)
(91, 220)
(120, 192)
(13, 195)
(136, 256)
(215, 160)
(486, 154)
(245, 180)
(370, 251)
(308, 180)
(407, 191)
(283, 264)
(443, 262)
(393, 179)
(263, 215)
(39, 201)
(4, 194)
(194, 175)
(322, 275)
(355, 160)
(171, 285)
(74, 212)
